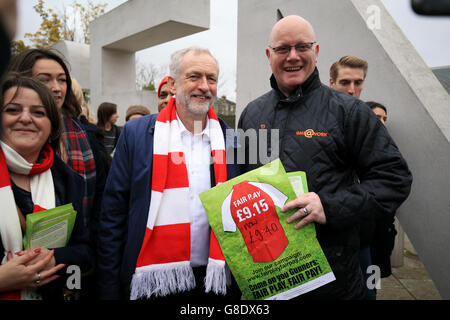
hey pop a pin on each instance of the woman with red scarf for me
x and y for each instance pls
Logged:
(79, 146)
(33, 179)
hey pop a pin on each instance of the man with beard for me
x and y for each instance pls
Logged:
(155, 238)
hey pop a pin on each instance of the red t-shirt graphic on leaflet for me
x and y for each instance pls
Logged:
(251, 207)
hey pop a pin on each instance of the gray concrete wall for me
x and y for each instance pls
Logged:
(133, 26)
(418, 105)
(443, 75)
(120, 79)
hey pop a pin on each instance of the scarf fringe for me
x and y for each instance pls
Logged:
(162, 281)
(218, 277)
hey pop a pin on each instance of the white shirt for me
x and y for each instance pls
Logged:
(197, 150)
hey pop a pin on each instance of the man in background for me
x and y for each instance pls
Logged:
(348, 75)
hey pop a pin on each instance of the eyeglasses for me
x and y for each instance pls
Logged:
(299, 48)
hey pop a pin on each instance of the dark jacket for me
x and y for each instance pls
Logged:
(126, 203)
(333, 137)
(95, 136)
(70, 187)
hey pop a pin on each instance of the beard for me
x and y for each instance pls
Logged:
(196, 107)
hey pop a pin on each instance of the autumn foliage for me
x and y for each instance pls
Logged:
(72, 24)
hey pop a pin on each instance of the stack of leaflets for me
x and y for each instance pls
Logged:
(50, 228)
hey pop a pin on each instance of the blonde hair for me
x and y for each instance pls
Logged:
(78, 92)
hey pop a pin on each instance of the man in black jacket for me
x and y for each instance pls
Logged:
(331, 136)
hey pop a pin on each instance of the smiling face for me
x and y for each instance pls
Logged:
(25, 123)
(52, 75)
(293, 68)
(164, 96)
(196, 87)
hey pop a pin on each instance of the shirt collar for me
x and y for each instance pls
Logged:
(184, 131)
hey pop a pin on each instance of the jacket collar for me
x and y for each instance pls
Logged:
(303, 89)
(152, 121)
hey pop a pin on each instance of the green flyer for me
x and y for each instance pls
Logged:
(267, 256)
(50, 228)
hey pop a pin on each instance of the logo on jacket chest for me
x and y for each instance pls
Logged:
(309, 133)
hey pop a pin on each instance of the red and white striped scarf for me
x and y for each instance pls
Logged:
(42, 194)
(163, 266)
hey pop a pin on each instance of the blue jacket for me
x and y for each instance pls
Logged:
(126, 201)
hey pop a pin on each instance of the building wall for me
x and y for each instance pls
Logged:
(443, 75)
(77, 56)
(133, 26)
(418, 117)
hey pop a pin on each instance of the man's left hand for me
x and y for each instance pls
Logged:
(313, 213)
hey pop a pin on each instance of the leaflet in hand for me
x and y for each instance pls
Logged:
(50, 228)
(267, 256)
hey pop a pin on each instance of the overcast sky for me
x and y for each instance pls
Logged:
(430, 35)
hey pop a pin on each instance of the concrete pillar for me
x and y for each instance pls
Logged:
(399, 246)
(77, 56)
(136, 25)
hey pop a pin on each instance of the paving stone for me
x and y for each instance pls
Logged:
(421, 289)
(412, 268)
(390, 283)
(394, 294)
(408, 282)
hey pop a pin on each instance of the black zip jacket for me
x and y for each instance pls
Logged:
(333, 137)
